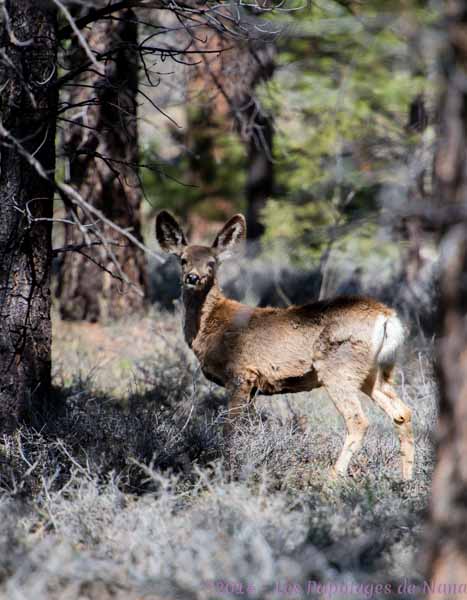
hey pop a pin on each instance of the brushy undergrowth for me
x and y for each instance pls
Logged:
(129, 497)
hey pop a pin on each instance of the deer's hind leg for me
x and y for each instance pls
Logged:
(387, 399)
(348, 404)
(343, 373)
(345, 392)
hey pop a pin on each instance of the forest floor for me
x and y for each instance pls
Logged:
(124, 494)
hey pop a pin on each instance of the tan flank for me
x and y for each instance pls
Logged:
(346, 344)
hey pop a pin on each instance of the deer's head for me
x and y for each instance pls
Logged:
(199, 263)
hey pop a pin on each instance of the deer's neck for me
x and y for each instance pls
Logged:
(198, 305)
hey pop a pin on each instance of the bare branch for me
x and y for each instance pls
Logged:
(77, 247)
(83, 43)
(95, 15)
(68, 193)
(80, 201)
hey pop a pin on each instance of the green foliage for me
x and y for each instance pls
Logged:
(305, 222)
(346, 75)
(303, 233)
(340, 97)
(178, 185)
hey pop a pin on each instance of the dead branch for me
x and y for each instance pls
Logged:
(67, 193)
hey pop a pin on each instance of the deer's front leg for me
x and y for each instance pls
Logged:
(240, 393)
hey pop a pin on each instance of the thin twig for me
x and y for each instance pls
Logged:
(83, 43)
(68, 193)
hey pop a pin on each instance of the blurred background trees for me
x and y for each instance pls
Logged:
(313, 120)
(349, 88)
(78, 65)
(98, 116)
(448, 553)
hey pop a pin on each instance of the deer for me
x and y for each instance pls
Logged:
(346, 344)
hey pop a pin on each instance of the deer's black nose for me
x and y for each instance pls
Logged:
(192, 279)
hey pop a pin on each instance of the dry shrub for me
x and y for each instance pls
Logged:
(132, 499)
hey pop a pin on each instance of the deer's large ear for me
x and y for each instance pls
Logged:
(169, 234)
(230, 236)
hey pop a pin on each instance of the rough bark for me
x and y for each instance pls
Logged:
(28, 103)
(101, 145)
(448, 558)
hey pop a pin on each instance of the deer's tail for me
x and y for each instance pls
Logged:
(388, 337)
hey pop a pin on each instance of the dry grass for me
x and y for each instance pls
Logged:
(125, 494)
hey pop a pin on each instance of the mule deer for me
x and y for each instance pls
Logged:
(346, 344)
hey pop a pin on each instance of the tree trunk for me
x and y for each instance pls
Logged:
(448, 560)
(257, 131)
(233, 74)
(101, 145)
(208, 118)
(260, 176)
(413, 226)
(28, 104)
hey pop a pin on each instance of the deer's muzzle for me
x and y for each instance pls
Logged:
(192, 279)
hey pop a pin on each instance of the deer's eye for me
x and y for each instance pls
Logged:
(211, 264)
(183, 261)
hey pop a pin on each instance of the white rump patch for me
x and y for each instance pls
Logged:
(388, 336)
